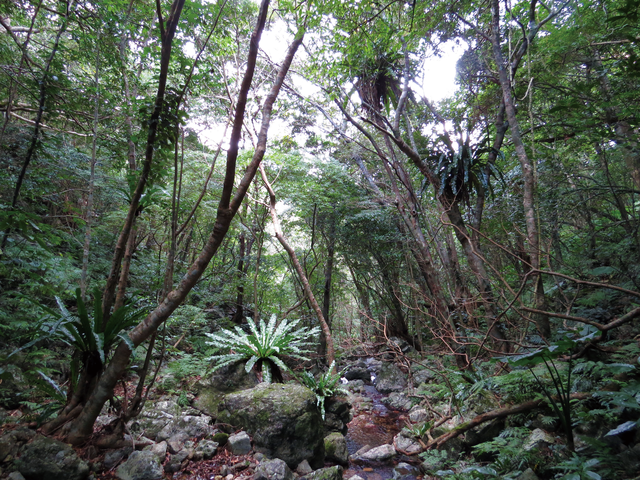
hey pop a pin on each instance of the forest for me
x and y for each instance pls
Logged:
(205, 201)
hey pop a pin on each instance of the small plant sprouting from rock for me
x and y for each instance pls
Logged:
(263, 347)
(325, 386)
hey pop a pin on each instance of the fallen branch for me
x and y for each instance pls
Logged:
(495, 414)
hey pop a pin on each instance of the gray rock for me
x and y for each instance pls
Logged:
(158, 449)
(11, 442)
(303, 468)
(175, 462)
(538, 438)
(404, 471)
(390, 379)
(49, 459)
(275, 469)
(177, 441)
(140, 466)
(357, 373)
(423, 376)
(398, 401)
(231, 378)
(418, 414)
(337, 415)
(240, 443)
(206, 449)
(283, 419)
(16, 476)
(378, 454)
(191, 425)
(335, 447)
(329, 473)
(528, 474)
(406, 445)
(114, 457)
(356, 477)
(484, 433)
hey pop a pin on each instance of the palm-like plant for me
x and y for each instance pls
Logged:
(263, 347)
(325, 386)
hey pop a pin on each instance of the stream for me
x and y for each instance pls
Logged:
(372, 427)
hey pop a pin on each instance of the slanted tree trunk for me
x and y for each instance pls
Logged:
(80, 427)
(330, 355)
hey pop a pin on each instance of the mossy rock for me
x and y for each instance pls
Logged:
(284, 421)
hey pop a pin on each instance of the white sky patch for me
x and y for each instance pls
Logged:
(439, 73)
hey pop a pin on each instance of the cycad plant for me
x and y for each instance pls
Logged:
(263, 347)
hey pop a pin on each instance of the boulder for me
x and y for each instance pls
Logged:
(158, 449)
(423, 376)
(357, 373)
(337, 415)
(329, 473)
(140, 465)
(284, 421)
(211, 390)
(418, 414)
(538, 438)
(406, 444)
(398, 401)
(239, 444)
(114, 457)
(206, 450)
(335, 448)
(12, 441)
(303, 468)
(528, 474)
(153, 420)
(405, 471)
(275, 469)
(188, 426)
(49, 459)
(390, 379)
(377, 454)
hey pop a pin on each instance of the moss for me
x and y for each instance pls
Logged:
(221, 438)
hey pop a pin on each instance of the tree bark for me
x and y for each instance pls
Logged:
(330, 355)
(81, 428)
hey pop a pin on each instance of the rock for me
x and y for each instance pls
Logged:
(629, 460)
(16, 476)
(337, 415)
(356, 477)
(434, 460)
(404, 471)
(357, 373)
(377, 454)
(335, 448)
(12, 441)
(484, 433)
(329, 473)
(406, 445)
(175, 461)
(373, 364)
(114, 457)
(418, 414)
(398, 401)
(303, 468)
(176, 442)
(275, 469)
(538, 438)
(283, 419)
(221, 438)
(401, 344)
(49, 459)
(140, 466)
(153, 420)
(158, 449)
(390, 379)
(231, 378)
(206, 449)
(239, 444)
(528, 474)
(190, 425)
(423, 376)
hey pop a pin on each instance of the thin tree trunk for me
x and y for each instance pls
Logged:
(81, 428)
(330, 356)
(92, 180)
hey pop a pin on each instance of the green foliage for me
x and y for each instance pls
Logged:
(324, 386)
(85, 332)
(579, 468)
(264, 346)
(507, 451)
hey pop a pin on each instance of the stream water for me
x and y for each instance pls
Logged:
(373, 427)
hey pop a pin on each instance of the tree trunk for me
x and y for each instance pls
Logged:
(77, 431)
